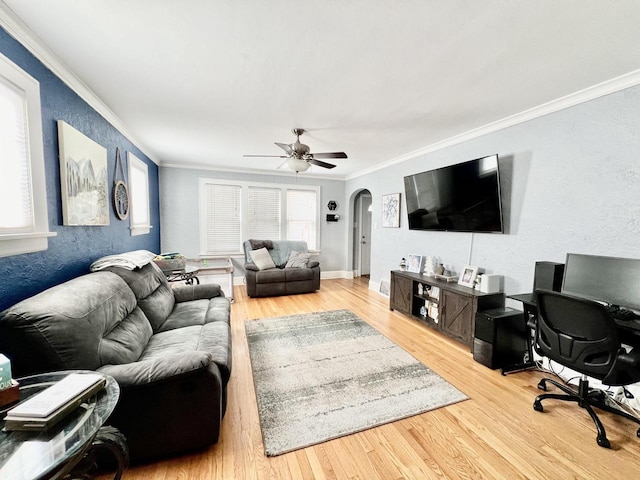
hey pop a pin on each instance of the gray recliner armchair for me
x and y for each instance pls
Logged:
(301, 276)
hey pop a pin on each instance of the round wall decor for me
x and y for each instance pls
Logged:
(120, 191)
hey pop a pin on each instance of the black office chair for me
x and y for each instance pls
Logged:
(581, 335)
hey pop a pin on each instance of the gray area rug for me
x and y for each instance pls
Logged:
(323, 375)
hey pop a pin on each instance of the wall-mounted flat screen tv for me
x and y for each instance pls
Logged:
(464, 197)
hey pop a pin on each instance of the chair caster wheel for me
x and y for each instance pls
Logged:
(537, 406)
(542, 385)
(638, 433)
(603, 442)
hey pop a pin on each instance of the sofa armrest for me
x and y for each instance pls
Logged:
(251, 266)
(313, 264)
(169, 405)
(157, 369)
(187, 293)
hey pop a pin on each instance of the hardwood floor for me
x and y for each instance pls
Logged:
(494, 434)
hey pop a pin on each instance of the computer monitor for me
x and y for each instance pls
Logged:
(612, 280)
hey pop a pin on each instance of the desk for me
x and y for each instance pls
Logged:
(67, 448)
(628, 330)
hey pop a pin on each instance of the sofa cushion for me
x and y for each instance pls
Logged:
(298, 274)
(152, 291)
(262, 259)
(198, 312)
(298, 260)
(212, 338)
(80, 324)
(274, 275)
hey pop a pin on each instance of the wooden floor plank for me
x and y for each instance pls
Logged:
(494, 434)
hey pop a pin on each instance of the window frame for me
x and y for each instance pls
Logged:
(34, 238)
(244, 186)
(138, 228)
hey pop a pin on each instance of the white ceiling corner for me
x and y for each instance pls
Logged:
(198, 84)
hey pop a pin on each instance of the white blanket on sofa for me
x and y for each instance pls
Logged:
(128, 260)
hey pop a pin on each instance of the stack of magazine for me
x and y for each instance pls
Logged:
(45, 409)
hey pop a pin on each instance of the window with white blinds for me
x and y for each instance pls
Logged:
(301, 216)
(263, 216)
(232, 211)
(140, 217)
(222, 218)
(24, 222)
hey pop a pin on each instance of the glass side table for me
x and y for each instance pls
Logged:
(67, 449)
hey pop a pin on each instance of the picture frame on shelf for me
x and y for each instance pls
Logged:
(468, 276)
(414, 263)
(391, 210)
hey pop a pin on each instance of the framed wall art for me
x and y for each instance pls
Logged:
(391, 210)
(83, 178)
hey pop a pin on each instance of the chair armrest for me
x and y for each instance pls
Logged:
(158, 369)
(251, 266)
(187, 293)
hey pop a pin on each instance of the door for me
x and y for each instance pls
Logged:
(365, 235)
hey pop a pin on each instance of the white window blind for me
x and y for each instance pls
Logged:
(263, 216)
(15, 182)
(140, 222)
(302, 216)
(223, 229)
(24, 224)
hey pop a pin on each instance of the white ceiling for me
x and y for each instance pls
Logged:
(202, 82)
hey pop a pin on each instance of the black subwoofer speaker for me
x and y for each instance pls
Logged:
(548, 276)
(500, 338)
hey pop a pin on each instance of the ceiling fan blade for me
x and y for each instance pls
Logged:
(285, 147)
(313, 161)
(276, 156)
(330, 155)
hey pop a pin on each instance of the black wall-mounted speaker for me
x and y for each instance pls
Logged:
(548, 276)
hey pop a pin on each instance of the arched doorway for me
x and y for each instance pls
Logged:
(362, 234)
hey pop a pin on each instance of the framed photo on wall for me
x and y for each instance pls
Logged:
(391, 210)
(468, 276)
(414, 263)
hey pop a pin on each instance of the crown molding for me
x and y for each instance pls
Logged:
(630, 79)
(23, 34)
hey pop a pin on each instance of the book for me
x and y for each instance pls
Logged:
(48, 407)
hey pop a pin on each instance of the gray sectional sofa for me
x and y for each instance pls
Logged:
(280, 279)
(168, 348)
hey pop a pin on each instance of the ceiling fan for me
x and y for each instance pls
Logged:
(298, 155)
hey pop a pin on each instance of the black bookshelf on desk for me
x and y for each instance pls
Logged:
(444, 306)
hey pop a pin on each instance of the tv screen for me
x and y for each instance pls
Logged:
(458, 198)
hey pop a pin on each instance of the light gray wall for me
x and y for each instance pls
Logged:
(570, 183)
(179, 203)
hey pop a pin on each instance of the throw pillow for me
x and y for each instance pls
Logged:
(262, 259)
(298, 260)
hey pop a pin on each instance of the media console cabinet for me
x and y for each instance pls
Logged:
(444, 306)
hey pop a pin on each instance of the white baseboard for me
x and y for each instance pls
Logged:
(336, 274)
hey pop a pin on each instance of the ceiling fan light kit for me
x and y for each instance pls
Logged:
(298, 165)
(299, 156)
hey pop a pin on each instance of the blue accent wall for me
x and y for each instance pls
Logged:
(74, 248)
